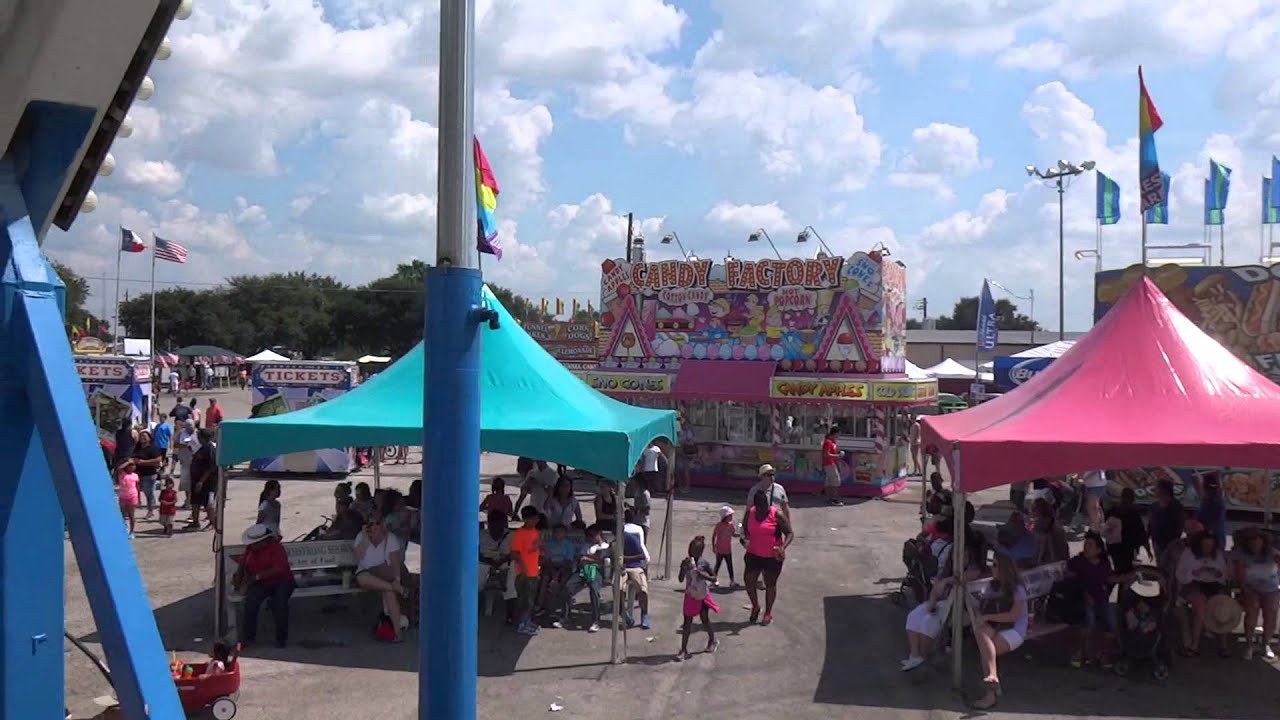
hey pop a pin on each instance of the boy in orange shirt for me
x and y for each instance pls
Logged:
(168, 507)
(526, 546)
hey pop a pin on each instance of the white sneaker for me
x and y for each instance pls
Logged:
(1268, 654)
(595, 627)
(912, 663)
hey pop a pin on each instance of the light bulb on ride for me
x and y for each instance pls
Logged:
(108, 165)
(90, 202)
(184, 10)
(147, 88)
(126, 128)
(165, 50)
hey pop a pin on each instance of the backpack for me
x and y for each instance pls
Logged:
(384, 630)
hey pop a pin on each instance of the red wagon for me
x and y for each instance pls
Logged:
(217, 692)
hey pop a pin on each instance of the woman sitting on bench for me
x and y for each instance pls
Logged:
(1002, 626)
(926, 621)
(378, 561)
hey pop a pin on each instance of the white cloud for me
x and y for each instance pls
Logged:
(939, 152)
(746, 218)
(159, 178)
(250, 214)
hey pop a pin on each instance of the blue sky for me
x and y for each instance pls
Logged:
(290, 136)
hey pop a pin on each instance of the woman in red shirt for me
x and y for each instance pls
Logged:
(264, 575)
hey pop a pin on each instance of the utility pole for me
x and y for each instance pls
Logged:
(923, 306)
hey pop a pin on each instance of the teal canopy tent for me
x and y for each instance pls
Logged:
(531, 405)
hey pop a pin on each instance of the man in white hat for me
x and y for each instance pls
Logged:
(264, 576)
(777, 495)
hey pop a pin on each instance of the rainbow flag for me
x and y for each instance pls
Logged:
(1150, 186)
(486, 204)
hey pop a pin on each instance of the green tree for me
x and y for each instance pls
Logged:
(965, 316)
(78, 318)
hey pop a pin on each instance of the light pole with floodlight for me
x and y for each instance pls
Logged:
(755, 237)
(808, 230)
(674, 236)
(1060, 176)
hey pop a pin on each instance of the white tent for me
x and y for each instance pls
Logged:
(267, 356)
(914, 372)
(1053, 350)
(949, 370)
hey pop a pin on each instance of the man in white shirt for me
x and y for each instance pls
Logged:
(777, 494)
(378, 560)
(537, 486)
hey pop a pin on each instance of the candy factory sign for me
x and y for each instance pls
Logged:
(642, 383)
(815, 274)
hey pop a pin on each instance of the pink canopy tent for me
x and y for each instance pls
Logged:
(1144, 387)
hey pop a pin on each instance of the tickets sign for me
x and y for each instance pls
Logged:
(301, 374)
(639, 383)
(105, 371)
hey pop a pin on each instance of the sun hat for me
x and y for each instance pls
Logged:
(1222, 615)
(1145, 588)
(766, 469)
(726, 511)
(256, 533)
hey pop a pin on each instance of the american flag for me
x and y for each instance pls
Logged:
(170, 250)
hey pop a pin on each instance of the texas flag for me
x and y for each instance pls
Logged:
(130, 242)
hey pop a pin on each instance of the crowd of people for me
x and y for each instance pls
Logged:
(151, 464)
(1192, 586)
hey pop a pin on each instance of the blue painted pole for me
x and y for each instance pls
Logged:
(451, 402)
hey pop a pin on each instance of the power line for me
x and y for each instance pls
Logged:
(140, 281)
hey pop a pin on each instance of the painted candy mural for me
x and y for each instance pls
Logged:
(821, 315)
(1240, 308)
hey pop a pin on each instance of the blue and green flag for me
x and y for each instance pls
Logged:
(1108, 200)
(1158, 214)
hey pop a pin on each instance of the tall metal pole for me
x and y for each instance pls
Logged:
(630, 221)
(115, 321)
(451, 402)
(1062, 264)
(152, 342)
(1222, 243)
(1144, 239)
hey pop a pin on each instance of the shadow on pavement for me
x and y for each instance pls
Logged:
(1037, 679)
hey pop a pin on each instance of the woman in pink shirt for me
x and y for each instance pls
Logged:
(768, 535)
(127, 493)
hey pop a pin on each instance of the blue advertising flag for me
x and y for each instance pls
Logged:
(1212, 215)
(1108, 200)
(1158, 214)
(1219, 184)
(988, 330)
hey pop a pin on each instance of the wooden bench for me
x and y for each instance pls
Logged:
(321, 568)
(1038, 582)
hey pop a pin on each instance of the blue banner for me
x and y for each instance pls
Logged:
(988, 328)
(1010, 372)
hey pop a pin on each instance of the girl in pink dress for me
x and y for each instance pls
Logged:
(127, 493)
(697, 575)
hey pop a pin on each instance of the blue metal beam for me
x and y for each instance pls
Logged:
(36, 356)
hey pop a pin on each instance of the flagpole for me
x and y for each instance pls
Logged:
(1144, 239)
(152, 341)
(115, 321)
(1222, 242)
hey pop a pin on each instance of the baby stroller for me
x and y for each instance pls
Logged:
(922, 567)
(1145, 603)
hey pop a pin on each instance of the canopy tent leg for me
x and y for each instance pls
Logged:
(668, 528)
(616, 623)
(220, 625)
(961, 592)
(377, 469)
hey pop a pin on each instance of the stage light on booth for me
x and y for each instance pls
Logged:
(1031, 170)
(184, 10)
(165, 51)
(759, 233)
(146, 89)
(108, 165)
(674, 236)
(90, 202)
(808, 232)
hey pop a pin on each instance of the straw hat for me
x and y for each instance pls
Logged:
(256, 533)
(1222, 615)
(766, 469)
